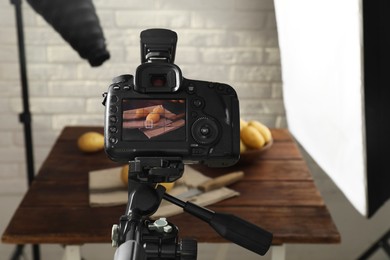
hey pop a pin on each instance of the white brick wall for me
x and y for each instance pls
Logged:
(231, 41)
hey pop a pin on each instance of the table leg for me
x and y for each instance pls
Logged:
(278, 252)
(72, 252)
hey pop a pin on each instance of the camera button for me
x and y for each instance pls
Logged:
(194, 114)
(198, 151)
(197, 103)
(221, 87)
(113, 140)
(114, 99)
(113, 129)
(191, 89)
(126, 87)
(113, 119)
(113, 109)
(205, 130)
(116, 87)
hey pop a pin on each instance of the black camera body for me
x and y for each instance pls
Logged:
(159, 113)
(157, 121)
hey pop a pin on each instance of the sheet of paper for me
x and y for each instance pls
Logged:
(107, 189)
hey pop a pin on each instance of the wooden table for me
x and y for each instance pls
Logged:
(277, 193)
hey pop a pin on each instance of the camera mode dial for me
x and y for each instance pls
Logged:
(205, 130)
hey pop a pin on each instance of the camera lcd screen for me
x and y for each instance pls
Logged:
(153, 120)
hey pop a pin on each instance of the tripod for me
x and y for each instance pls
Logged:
(138, 238)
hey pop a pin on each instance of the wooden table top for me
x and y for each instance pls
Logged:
(277, 193)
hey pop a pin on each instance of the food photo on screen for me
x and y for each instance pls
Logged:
(157, 119)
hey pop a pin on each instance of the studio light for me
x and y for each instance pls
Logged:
(77, 22)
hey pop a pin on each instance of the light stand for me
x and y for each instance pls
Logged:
(25, 116)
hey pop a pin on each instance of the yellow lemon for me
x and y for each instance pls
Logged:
(243, 123)
(168, 185)
(125, 174)
(91, 142)
(251, 137)
(243, 147)
(264, 131)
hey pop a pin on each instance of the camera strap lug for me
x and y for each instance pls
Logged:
(104, 95)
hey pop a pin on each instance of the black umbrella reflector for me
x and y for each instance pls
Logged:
(77, 22)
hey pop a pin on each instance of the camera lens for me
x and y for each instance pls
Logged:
(205, 130)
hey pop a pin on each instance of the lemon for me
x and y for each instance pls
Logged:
(125, 174)
(251, 137)
(91, 142)
(243, 123)
(168, 185)
(243, 147)
(264, 131)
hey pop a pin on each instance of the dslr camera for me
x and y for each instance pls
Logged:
(157, 121)
(158, 112)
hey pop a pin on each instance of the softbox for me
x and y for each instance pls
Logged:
(76, 21)
(335, 61)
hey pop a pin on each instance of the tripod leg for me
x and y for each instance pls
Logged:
(17, 253)
(36, 252)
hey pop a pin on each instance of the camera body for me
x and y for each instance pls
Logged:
(159, 113)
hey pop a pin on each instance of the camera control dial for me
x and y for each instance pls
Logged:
(205, 130)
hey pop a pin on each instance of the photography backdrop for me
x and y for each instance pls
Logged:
(335, 63)
(231, 41)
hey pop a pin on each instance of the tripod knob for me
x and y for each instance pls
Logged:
(115, 235)
(160, 225)
(188, 249)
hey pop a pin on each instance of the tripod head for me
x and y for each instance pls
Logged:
(139, 238)
(136, 236)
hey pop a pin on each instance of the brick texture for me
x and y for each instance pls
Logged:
(231, 41)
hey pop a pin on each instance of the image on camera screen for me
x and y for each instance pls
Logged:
(153, 119)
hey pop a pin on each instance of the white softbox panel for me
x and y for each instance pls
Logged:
(321, 55)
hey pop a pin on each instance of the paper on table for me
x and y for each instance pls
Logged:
(106, 189)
